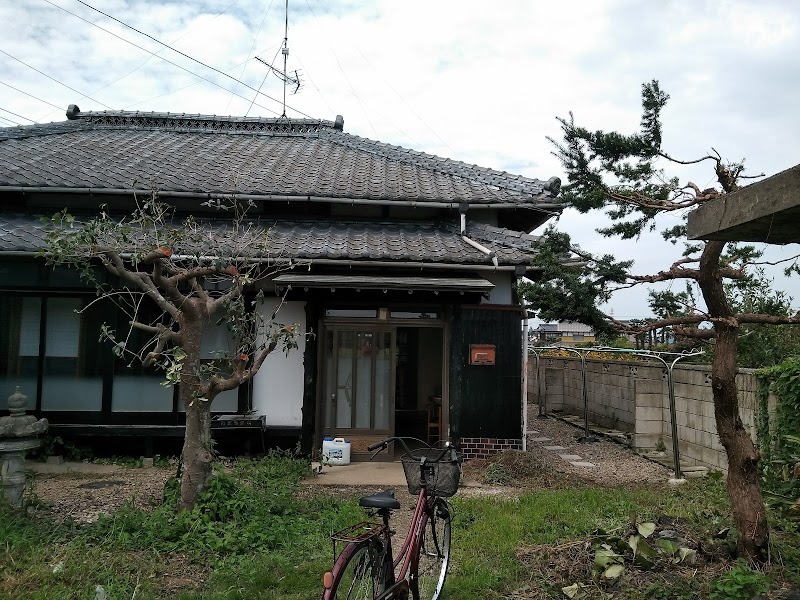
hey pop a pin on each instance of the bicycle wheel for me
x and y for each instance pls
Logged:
(434, 552)
(360, 575)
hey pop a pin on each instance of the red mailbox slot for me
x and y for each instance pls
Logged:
(481, 354)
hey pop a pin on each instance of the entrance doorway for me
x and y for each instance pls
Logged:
(380, 381)
(418, 383)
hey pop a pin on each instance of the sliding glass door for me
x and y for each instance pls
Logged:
(359, 380)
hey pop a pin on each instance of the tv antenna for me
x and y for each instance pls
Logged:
(287, 78)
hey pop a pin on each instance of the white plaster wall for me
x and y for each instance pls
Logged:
(501, 294)
(278, 385)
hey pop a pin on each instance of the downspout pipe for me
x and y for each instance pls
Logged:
(462, 211)
(524, 378)
(490, 253)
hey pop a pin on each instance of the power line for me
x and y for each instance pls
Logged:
(131, 72)
(166, 59)
(10, 121)
(182, 54)
(297, 58)
(262, 82)
(249, 52)
(347, 79)
(31, 95)
(413, 112)
(16, 115)
(188, 86)
(53, 78)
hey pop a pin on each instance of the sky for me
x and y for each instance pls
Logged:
(475, 81)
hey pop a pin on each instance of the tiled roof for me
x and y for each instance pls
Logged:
(341, 240)
(209, 154)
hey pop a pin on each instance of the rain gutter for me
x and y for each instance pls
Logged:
(308, 262)
(552, 208)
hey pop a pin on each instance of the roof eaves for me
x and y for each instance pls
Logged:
(523, 187)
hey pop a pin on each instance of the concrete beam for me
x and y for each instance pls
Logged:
(767, 211)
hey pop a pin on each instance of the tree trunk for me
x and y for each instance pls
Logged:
(196, 457)
(743, 483)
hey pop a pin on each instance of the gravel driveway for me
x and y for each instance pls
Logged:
(612, 463)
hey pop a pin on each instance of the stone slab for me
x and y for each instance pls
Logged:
(587, 465)
(540, 439)
(570, 457)
(554, 448)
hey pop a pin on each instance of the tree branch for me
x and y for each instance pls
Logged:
(663, 154)
(768, 319)
(147, 286)
(159, 330)
(167, 284)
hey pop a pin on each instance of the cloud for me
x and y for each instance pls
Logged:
(475, 81)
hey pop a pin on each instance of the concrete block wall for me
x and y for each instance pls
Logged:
(634, 397)
(698, 441)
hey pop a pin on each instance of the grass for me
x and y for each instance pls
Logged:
(258, 534)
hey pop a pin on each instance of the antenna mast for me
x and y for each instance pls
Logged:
(284, 75)
(285, 52)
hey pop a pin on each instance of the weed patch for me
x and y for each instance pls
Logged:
(256, 533)
(514, 468)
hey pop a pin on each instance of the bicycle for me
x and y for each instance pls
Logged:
(366, 569)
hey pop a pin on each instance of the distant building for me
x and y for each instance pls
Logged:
(564, 332)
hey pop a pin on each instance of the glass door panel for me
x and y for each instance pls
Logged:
(365, 352)
(359, 381)
(343, 395)
(383, 380)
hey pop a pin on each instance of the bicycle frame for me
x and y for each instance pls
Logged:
(408, 556)
(394, 584)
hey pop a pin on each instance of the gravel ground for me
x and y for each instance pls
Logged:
(84, 496)
(615, 464)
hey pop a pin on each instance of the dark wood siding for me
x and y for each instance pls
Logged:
(485, 400)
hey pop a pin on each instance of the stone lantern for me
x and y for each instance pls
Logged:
(18, 434)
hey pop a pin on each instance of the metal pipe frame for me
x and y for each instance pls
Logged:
(669, 366)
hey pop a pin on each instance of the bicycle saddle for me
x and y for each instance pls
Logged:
(384, 499)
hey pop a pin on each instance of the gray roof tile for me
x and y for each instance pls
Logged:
(345, 240)
(194, 153)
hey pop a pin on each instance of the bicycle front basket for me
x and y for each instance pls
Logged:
(441, 478)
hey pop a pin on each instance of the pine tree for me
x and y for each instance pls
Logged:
(620, 174)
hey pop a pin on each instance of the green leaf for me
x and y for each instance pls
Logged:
(646, 529)
(668, 546)
(576, 590)
(633, 542)
(646, 549)
(687, 555)
(613, 572)
(603, 557)
(645, 563)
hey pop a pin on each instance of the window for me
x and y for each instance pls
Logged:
(73, 355)
(137, 388)
(19, 344)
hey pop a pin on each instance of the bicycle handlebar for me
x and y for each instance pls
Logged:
(383, 444)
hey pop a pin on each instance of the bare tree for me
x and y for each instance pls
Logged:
(174, 278)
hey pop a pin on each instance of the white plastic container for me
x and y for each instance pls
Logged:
(335, 451)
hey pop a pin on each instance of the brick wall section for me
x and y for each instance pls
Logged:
(485, 447)
(635, 398)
